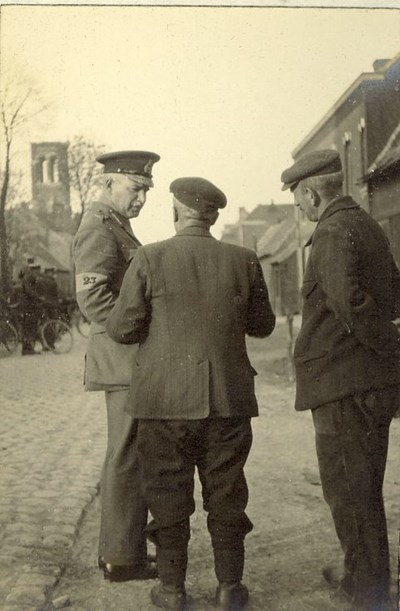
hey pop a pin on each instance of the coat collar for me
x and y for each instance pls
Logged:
(198, 231)
(339, 203)
(102, 206)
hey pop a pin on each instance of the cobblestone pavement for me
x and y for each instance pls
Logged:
(52, 442)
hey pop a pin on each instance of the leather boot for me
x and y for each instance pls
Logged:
(231, 596)
(169, 597)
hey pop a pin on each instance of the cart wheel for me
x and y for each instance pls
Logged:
(8, 338)
(57, 336)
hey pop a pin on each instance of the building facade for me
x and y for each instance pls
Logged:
(359, 124)
(252, 225)
(383, 183)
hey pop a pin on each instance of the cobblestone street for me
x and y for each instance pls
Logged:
(52, 443)
(51, 446)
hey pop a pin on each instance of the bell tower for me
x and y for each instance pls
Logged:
(50, 183)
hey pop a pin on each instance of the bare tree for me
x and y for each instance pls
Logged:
(25, 232)
(84, 172)
(20, 102)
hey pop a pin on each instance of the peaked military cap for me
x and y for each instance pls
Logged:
(198, 193)
(316, 163)
(139, 163)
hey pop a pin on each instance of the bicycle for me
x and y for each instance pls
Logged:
(8, 333)
(8, 337)
(76, 318)
(52, 331)
(55, 335)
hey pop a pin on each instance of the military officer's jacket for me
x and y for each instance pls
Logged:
(102, 249)
(190, 301)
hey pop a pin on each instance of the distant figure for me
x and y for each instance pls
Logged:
(190, 301)
(348, 369)
(31, 305)
(51, 284)
(103, 247)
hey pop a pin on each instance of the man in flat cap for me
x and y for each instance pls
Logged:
(103, 247)
(190, 300)
(347, 369)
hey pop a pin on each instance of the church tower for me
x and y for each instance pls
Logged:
(50, 184)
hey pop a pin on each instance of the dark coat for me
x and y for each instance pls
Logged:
(190, 301)
(103, 247)
(351, 290)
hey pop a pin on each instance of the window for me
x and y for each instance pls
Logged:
(40, 164)
(347, 162)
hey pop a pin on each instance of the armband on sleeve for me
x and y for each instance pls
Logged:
(88, 280)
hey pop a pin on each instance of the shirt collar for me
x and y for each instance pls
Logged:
(193, 230)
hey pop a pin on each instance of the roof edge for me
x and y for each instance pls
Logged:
(372, 76)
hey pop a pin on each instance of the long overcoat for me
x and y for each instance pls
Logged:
(189, 301)
(102, 249)
(347, 343)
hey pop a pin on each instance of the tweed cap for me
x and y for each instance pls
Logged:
(137, 163)
(198, 193)
(316, 163)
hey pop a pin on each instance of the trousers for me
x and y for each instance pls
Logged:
(169, 451)
(124, 512)
(352, 442)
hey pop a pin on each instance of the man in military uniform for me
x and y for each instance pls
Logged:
(348, 369)
(103, 247)
(190, 301)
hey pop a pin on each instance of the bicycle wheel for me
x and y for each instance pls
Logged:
(8, 337)
(83, 325)
(56, 336)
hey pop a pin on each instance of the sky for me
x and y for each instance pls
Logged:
(225, 93)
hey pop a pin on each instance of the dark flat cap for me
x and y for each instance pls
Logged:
(315, 163)
(129, 162)
(198, 193)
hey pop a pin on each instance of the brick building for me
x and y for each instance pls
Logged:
(383, 182)
(359, 124)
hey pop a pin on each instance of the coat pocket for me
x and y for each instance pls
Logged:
(308, 287)
(313, 356)
(107, 362)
